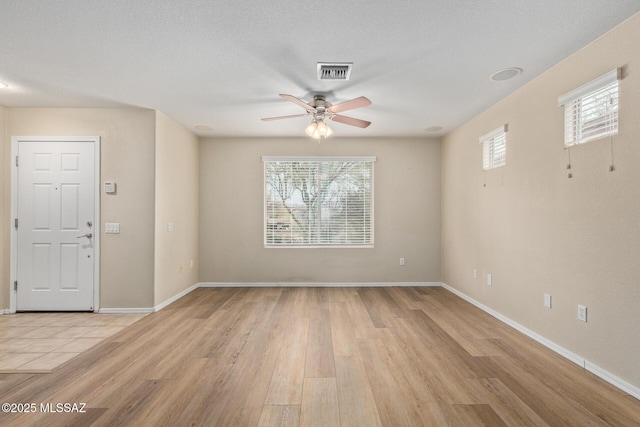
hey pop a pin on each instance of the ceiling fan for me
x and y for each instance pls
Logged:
(321, 110)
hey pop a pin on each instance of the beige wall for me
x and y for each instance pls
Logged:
(407, 214)
(176, 202)
(5, 191)
(127, 157)
(539, 232)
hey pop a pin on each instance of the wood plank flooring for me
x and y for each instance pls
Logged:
(319, 357)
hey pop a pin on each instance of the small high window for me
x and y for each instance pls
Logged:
(494, 148)
(591, 111)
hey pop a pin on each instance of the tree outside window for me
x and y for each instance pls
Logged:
(318, 202)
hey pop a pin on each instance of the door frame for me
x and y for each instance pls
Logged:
(15, 141)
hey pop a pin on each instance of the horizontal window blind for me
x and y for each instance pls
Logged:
(494, 148)
(318, 202)
(591, 111)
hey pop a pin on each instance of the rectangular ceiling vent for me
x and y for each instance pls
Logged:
(334, 71)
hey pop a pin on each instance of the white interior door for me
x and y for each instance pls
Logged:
(56, 228)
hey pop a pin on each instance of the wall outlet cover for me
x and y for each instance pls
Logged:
(582, 313)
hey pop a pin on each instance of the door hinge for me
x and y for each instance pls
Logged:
(15, 223)
(15, 285)
(17, 162)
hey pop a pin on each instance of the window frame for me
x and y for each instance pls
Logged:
(576, 124)
(489, 158)
(318, 159)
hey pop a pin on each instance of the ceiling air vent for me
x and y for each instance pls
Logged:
(334, 71)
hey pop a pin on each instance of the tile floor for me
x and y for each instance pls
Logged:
(39, 342)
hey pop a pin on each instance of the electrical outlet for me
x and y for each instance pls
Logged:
(582, 313)
(475, 273)
(489, 280)
(191, 263)
(547, 300)
(401, 261)
(170, 227)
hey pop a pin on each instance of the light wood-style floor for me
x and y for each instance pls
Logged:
(320, 357)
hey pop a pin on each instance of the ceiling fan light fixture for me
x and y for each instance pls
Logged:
(323, 129)
(312, 129)
(318, 129)
(329, 131)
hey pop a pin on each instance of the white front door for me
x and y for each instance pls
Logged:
(56, 225)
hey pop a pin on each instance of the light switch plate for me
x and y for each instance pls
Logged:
(582, 313)
(112, 228)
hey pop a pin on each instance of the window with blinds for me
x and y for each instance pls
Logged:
(318, 202)
(494, 148)
(591, 111)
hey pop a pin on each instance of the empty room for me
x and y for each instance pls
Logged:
(420, 213)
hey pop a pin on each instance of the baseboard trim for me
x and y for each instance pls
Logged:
(594, 369)
(158, 307)
(312, 284)
(257, 285)
(136, 310)
(612, 379)
(176, 297)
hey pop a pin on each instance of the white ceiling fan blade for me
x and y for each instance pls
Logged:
(350, 121)
(350, 105)
(268, 119)
(298, 101)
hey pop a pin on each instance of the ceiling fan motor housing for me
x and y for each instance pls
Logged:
(320, 103)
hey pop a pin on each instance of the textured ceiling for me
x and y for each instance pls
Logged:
(222, 63)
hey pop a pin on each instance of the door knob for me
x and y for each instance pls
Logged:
(88, 236)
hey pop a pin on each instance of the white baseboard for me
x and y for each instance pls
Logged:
(311, 284)
(612, 379)
(126, 310)
(257, 285)
(594, 369)
(158, 307)
(176, 297)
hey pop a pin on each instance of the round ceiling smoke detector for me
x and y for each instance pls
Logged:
(506, 74)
